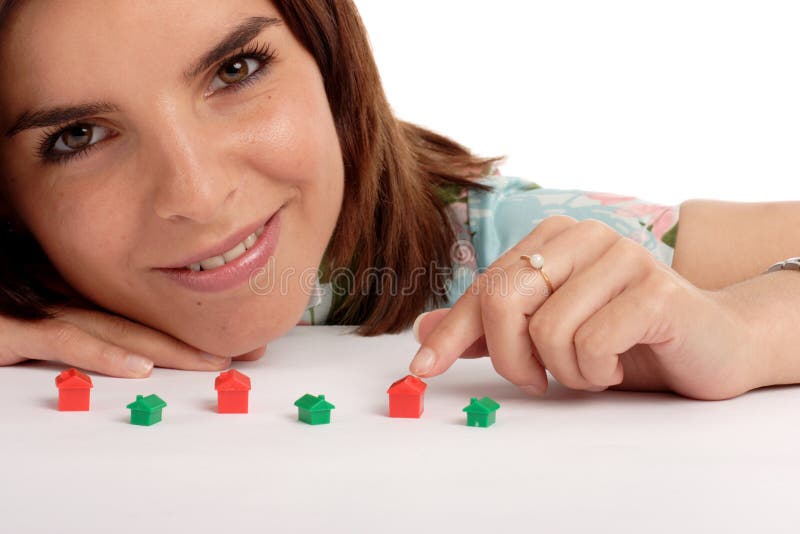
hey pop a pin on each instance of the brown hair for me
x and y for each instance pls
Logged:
(394, 214)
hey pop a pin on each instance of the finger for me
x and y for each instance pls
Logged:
(253, 355)
(505, 327)
(164, 350)
(463, 326)
(638, 315)
(426, 323)
(58, 340)
(507, 311)
(554, 325)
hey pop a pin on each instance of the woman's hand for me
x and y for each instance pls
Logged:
(617, 317)
(109, 344)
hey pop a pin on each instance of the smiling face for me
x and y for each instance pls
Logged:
(170, 167)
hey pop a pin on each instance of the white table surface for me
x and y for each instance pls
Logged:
(572, 462)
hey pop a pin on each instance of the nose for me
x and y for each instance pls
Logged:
(189, 177)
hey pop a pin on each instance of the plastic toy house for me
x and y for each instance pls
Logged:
(73, 390)
(146, 411)
(481, 412)
(406, 397)
(314, 410)
(233, 389)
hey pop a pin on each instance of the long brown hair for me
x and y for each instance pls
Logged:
(393, 215)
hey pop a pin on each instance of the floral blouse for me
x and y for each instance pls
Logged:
(486, 224)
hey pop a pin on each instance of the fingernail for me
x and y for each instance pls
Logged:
(415, 328)
(423, 361)
(138, 364)
(533, 389)
(216, 360)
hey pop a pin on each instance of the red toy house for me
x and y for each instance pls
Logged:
(233, 388)
(405, 397)
(73, 391)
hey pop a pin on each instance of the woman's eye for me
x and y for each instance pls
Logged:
(244, 68)
(237, 72)
(72, 140)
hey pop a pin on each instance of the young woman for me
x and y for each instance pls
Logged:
(183, 182)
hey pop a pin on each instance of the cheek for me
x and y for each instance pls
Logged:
(290, 137)
(85, 231)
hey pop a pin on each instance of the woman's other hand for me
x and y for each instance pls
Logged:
(104, 343)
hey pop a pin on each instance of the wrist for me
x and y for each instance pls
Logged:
(765, 308)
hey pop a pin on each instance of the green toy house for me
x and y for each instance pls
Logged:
(146, 411)
(481, 412)
(314, 410)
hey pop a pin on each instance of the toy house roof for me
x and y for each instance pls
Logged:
(73, 379)
(313, 404)
(484, 405)
(408, 385)
(150, 403)
(232, 380)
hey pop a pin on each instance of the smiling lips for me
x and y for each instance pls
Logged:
(222, 253)
(218, 261)
(227, 274)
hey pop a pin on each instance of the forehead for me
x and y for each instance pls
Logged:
(65, 49)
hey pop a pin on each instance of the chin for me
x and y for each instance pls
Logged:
(230, 347)
(234, 343)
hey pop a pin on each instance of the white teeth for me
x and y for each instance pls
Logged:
(212, 263)
(250, 241)
(227, 257)
(234, 253)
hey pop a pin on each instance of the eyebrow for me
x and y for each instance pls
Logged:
(239, 36)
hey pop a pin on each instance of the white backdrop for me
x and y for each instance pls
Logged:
(662, 100)
(573, 462)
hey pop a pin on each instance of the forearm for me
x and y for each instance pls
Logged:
(727, 246)
(720, 243)
(768, 305)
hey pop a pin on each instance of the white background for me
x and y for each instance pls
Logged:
(665, 100)
(574, 461)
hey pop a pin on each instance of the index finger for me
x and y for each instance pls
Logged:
(460, 328)
(463, 325)
(163, 349)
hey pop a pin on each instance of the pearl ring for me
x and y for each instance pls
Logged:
(537, 262)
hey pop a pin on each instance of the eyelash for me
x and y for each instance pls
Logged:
(264, 54)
